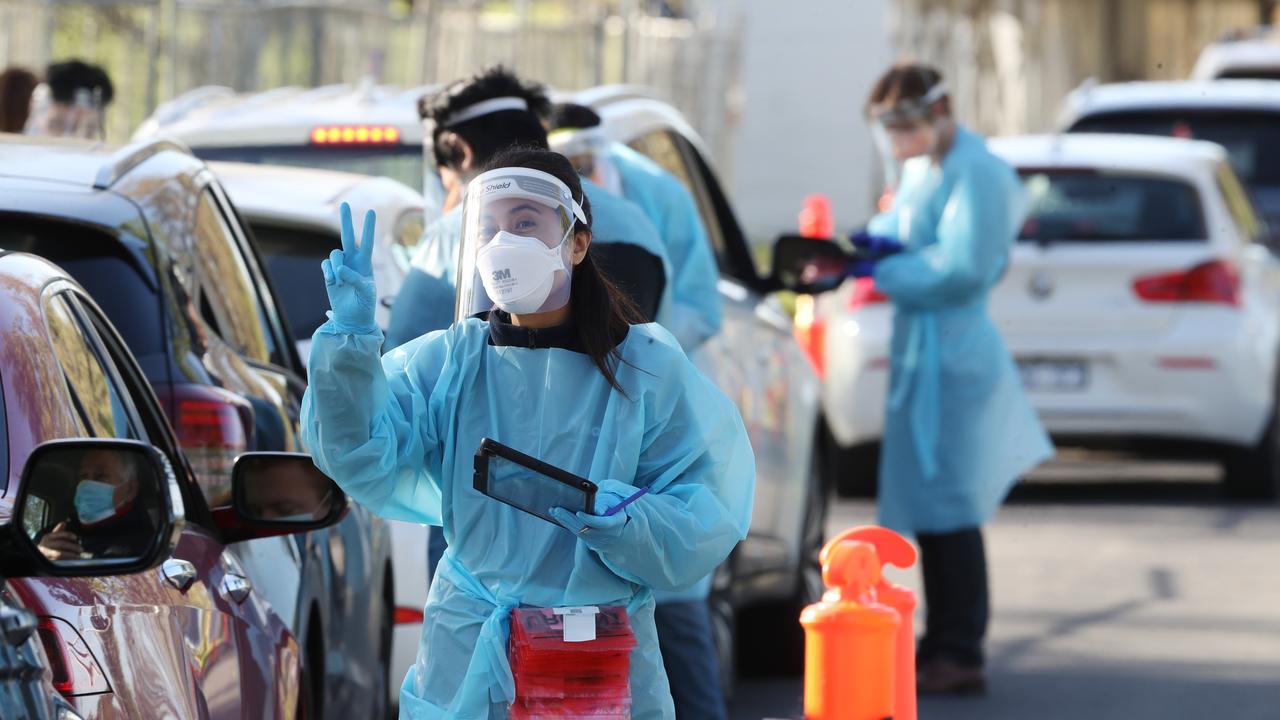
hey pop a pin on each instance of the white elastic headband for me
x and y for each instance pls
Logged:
(486, 107)
(577, 141)
(525, 182)
(936, 93)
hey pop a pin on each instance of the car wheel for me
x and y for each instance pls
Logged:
(853, 472)
(724, 625)
(775, 646)
(384, 648)
(1254, 473)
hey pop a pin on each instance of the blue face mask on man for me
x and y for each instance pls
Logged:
(95, 501)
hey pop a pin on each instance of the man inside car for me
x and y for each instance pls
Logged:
(109, 520)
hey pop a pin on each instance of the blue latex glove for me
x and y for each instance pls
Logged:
(597, 531)
(348, 278)
(863, 268)
(875, 246)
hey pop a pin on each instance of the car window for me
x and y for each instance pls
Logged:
(1240, 206)
(101, 404)
(398, 162)
(293, 258)
(1252, 139)
(1087, 206)
(228, 298)
(662, 147)
(103, 266)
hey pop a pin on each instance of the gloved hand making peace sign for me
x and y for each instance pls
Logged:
(348, 278)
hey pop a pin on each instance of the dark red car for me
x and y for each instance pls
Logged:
(190, 639)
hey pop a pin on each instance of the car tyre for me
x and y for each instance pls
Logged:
(853, 471)
(775, 646)
(1254, 473)
(724, 624)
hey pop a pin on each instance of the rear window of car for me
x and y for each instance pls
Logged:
(398, 162)
(1252, 139)
(1086, 206)
(293, 260)
(101, 264)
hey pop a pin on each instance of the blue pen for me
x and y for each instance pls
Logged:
(636, 496)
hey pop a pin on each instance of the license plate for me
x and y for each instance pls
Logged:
(1054, 375)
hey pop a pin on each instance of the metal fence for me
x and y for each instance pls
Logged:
(1010, 62)
(156, 49)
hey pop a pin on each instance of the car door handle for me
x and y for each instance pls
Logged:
(236, 588)
(180, 573)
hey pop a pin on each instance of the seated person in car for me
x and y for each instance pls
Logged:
(110, 519)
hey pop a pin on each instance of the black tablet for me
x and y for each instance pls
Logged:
(529, 484)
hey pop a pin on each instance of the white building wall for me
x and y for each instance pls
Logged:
(807, 66)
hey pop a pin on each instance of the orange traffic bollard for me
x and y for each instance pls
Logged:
(849, 639)
(893, 549)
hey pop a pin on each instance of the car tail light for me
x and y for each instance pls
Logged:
(75, 671)
(811, 332)
(1211, 282)
(355, 135)
(865, 293)
(407, 615)
(214, 427)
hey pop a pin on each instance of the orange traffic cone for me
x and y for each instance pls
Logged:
(893, 549)
(849, 639)
(816, 220)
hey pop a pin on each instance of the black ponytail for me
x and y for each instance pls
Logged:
(602, 313)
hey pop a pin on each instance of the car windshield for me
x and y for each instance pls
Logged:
(1252, 139)
(103, 266)
(399, 162)
(1087, 206)
(293, 260)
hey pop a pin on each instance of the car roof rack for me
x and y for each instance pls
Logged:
(131, 156)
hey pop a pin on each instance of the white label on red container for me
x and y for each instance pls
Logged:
(579, 623)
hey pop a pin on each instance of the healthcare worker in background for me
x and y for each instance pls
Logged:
(684, 619)
(468, 122)
(629, 249)
(959, 430)
(696, 315)
(543, 357)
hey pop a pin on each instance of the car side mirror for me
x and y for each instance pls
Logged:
(807, 265)
(278, 493)
(93, 507)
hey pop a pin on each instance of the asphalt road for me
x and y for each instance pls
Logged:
(1120, 590)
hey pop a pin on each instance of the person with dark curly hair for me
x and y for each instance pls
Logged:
(72, 102)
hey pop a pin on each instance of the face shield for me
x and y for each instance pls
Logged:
(906, 129)
(585, 147)
(84, 118)
(516, 249)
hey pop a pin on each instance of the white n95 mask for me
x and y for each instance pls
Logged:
(519, 273)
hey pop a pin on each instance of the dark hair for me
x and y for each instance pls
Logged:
(569, 115)
(65, 78)
(489, 134)
(904, 81)
(602, 313)
(16, 86)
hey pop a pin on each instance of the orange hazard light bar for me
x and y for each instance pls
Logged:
(355, 135)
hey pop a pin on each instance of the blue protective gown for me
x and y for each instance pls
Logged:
(696, 315)
(426, 299)
(959, 430)
(401, 431)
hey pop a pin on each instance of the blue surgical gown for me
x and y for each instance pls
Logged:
(426, 299)
(400, 433)
(959, 430)
(614, 219)
(696, 315)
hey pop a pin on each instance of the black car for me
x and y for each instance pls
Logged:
(148, 231)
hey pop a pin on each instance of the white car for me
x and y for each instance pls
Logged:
(1251, 54)
(293, 215)
(1241, 115)
(754, 359)
(1137, 304)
